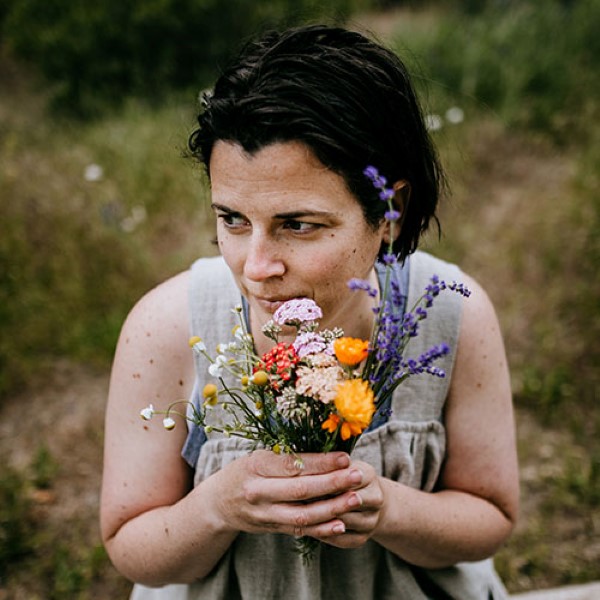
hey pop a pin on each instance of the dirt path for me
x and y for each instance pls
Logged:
(66, 418)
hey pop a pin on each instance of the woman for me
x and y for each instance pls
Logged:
(428, 495)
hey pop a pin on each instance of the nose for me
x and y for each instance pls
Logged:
(263, 260)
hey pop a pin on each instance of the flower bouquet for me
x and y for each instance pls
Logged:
(320, 392)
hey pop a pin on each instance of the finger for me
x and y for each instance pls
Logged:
(295, 519)
(268, 464)
(301, 489)
(348, 539)
(363, 522)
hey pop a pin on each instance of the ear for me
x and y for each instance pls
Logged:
(401, 199)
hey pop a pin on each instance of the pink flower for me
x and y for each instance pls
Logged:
(297, 311)
(320, 383)
(309, 342)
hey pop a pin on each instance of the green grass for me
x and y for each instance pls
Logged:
(76, 254)
(42, 558)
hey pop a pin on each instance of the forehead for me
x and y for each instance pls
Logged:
(287, 170)
(280, 158)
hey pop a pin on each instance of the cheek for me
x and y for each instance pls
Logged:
(232, 252)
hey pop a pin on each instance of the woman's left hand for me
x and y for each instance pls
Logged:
(363, 506)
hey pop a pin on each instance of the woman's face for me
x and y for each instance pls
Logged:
(288, 227)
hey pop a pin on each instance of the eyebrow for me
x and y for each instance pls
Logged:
(295, 214)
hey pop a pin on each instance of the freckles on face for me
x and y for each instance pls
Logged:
(289, 227)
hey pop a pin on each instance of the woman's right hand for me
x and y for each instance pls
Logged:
(296, 495)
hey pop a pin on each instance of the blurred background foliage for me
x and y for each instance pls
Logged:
(98, 53)
(97, 203)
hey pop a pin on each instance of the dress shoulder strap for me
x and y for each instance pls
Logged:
(212, 295)
(422, 397)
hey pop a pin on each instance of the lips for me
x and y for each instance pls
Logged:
(270, 305)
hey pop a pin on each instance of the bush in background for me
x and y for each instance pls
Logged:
(533, 62)
(97, 53)
(532, 66)
(91, 217)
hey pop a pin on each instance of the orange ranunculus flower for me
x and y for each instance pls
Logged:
(331, 423)
(350, 351)
(355, 404)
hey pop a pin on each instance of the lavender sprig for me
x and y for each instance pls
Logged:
(386, 366)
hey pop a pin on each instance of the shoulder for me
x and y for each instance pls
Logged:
(479, 320)
(152, 348)
(163, 310)
(423, 264)
(153, 365)
(481, 446)
(481, 367)
(173, 291)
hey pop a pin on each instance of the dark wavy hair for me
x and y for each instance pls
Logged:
(347, 98)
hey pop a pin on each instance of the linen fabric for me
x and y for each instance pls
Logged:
(408, 448)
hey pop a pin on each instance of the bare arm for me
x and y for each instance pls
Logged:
(145, 480)
(476, 504)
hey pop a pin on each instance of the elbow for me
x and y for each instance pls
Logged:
(144, 570)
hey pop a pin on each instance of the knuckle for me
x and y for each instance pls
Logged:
(300, 520)
(299, 491)
(339, 482)
(250, 493)
(258, 462)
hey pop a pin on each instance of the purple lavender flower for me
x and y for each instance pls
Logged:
(423, 364)
(361, 284)
(297, 311)
(379, 181)
(459, 288)
(386, 365)
(421, 313)
(437, 285)
(410, 325)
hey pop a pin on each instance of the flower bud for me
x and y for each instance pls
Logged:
(146, 413)
(260, 378)
(168, 423)
(210, 390)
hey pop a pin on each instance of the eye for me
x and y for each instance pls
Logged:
(232, 220)
(301, 226)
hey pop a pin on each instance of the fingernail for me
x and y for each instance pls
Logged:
(354, 501)
(343, 461)
(339, 528)
(356, 476)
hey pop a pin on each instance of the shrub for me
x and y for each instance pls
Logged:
(98, 52)
(76, 254)
(532, 62)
